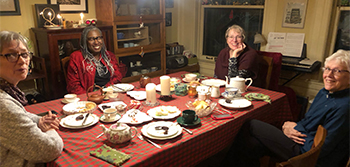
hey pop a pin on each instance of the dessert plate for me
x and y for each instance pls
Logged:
(122, 87)
(137, 95)
(162, 129)
(211, 82)
(164, 112)
(72, 123)
(145, 133)
(110, 105)
(236, 103)
(135, 117)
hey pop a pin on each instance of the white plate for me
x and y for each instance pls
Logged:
(125, 87)
(138, 95)
(102, 118)
(139, 118)
(112, 104)
(153, 129)
(211, 82)
(158, 88)
(236, 103)
(152, 112)
(185, 80)
(144, 132)
(71, 117)
(66, 102)
(78, 107)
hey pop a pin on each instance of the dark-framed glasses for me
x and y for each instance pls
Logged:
(91, 39)
(13, 57)
(334, 71)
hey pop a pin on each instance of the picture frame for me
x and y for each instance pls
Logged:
(169, 3)
(294, 13)
(73, 6)
(168, 19)
(39, 18)
(9, 8)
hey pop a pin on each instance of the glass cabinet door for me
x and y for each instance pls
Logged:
(132, 35)
(133, 7)
(137, 65)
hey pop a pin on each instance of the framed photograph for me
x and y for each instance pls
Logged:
(168, 19)
(9, 8)
(169, 3)
(71, 6)
(43, 18)
(294, 13)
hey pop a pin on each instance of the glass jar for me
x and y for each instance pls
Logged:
(192, 92)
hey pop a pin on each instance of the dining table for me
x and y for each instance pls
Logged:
(208, 138)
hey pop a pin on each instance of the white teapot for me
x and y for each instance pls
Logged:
(119, 133)
(238, 83)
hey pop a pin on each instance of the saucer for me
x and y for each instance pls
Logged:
(181, 122)
(103, 119)
(66, 102)
(185, 80)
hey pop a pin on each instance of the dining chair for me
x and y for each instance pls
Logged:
(310, 157)
(64, 63)
(276, 68)
(269, 62)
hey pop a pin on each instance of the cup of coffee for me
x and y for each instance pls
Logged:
(70, 97)
(110, 113)
(190, 77)
(189, 116)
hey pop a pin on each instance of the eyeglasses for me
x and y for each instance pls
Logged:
(13, 57)
(334, 71)
(92, 39)
(235, 37)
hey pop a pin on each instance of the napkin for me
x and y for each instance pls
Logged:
(110, 155)
(258, 96)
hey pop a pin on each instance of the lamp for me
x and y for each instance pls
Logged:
(258, 38)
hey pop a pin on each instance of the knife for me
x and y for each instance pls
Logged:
(118, 88)
(87, 115)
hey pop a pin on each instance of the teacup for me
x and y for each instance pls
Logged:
(110, 113)
(190, 77)
(231, 92)
(189, 116)
(154, 69)
(113, 97)
(70, 97)
(138, 63)
(108, 91)
(134, 73)
(144, 71)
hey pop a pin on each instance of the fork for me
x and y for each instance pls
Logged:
(141, 138)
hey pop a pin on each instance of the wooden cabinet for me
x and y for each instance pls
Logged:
(53, 45)
(138, 33)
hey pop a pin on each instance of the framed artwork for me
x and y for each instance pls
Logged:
(294, 13)
(43, 18)
(9, 8)
(169, 3)
(168, 19)
(71, 6)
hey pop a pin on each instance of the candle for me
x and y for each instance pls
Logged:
(59, 19)
(165, 85)
(151, 93)
(81, 18)
(49, 15)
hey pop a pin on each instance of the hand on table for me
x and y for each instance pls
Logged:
(48, 122)
(290, 132)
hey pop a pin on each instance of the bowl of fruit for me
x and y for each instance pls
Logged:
(202, 107)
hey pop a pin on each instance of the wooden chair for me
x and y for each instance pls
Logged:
(39, 72)
(276, 68)
(269, 62)
(309, 158)
(64, 63)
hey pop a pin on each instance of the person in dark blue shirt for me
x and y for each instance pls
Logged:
(330, 109)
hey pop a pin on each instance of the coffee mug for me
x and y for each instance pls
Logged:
(110, 113)
(70, 97)
(189, 116)
(190, 77)
(131, 44)
(126, 45)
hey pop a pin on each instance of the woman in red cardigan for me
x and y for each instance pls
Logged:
(92, 64)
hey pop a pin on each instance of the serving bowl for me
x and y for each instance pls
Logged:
(207, 107)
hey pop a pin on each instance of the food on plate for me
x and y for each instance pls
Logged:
(165, 110)
(80, 117)
(162, 129)
(90, 106)
(105, 107)
(200, 104)
(161, 113)
(120, 107)
(228, 101)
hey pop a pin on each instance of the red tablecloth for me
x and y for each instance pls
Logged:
(208, 138)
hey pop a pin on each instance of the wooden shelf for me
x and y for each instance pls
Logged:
(192, 68)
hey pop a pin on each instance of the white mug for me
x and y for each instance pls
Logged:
(110, 113)
(70, 97)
